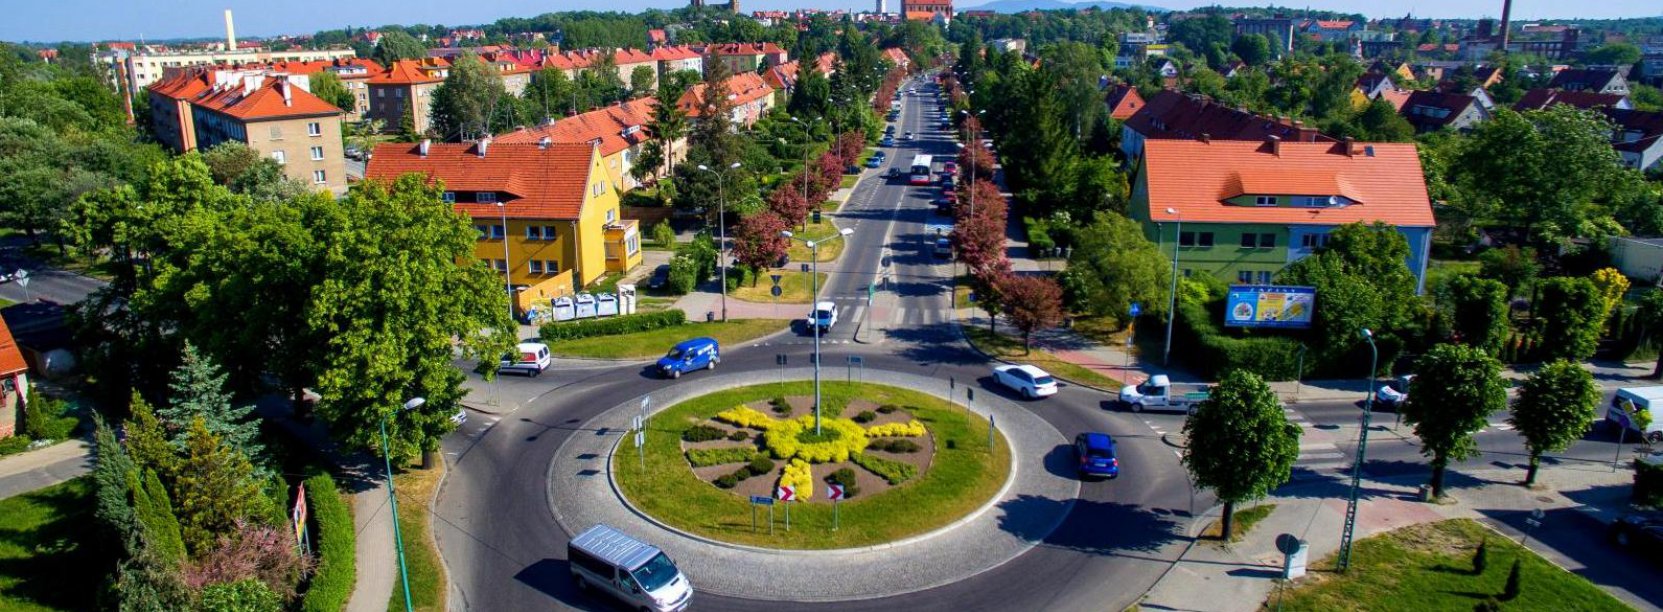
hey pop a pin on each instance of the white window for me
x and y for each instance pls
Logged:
(485, 197)
(314, 129)
(318, 177)
(277, 132)
(381, 93)
(317, 153)
(536, 266)
(278, 155)
(633, 244)
(450, 198)
(611, 215)
(533, 232)
(599, 186)
(1265, 200)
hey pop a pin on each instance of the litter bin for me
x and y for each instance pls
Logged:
(709, 316)
(1426, 493)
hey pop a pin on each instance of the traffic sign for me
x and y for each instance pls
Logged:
(1136, 308)
(805, 267)
(762, 500)
(834, 492)
(775, 290)
(786, 493)
(776, 278)
(856, 360)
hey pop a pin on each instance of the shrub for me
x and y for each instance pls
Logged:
(1511, 590)
(702, 433)
(787, 440)
(888, 408)
(727, 481)
(1212, 352)
(663, 234)
(760, 464)
(1648, 484)
(897, 446)
(865, 416)
(611, 326)
(800, 478)
(1039, 235)
(952, 444)
(706, 457)
(846, 478)
(1481, 557)
(739, 435)
(245, 594)
(909, 429)
(44, 418)
(746, 417)
(893, 471)
(336, 539)
(779, 405)
(684, 275)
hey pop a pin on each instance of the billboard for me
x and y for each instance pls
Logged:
(1269, 306)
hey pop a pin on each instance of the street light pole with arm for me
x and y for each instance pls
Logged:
(507, 263)
(392, 501)
(1362, 448)
(722, 230)
(814, 293)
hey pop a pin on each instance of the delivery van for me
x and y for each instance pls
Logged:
(1629, 399)
(690, 355)
(529, 358)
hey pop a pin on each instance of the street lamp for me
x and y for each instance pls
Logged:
(814, 292)
(722, 229)
(1172, 294)
(392, 499)
(507, 264)
(807, 136)
(1362, 448)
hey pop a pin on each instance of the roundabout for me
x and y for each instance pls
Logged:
(960, 516)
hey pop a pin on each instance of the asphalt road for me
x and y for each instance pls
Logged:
(44, 283)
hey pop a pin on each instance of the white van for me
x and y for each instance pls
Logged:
(1646, 398)
(529, 358)
(639, 575)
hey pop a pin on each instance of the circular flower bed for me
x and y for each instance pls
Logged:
(795, 439)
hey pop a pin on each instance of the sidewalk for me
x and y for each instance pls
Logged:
(1246, 572)
(44, 467)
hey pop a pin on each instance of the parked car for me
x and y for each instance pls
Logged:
(660, 277)
(1641, 532)
(636, 573)
(354, 153)
(889, 130)
(822, 318)
(1159, 392)
(529, 358)
(948, 183)
(1392, 394)
(690, 355)
(1031, 382)
(460, 417)
(874, 161)
(1094, 455)
(886, 141)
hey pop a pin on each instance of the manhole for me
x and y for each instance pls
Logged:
(1544, 499)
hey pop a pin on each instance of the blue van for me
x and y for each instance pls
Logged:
(690, 355)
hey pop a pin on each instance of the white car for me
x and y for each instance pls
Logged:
(1031, 382)
(823, 317)
(1392, 395)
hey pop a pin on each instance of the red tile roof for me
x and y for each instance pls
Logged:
(245, 95)
(1648, 125)
(411, 72)
(897, 56)
(1170, 115)
(766, 48)
(11, 359)
(920, 15)
(1195, 178)
(1123, 101)
(743, 88)
(615, 127)
(826, 63)
(783, 76)
(1396, 97)
(1538, 99)
(532, 181)
(316, 66)
(1420, 108)
(681, 52)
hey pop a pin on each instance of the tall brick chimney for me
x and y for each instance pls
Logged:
(1506, 23)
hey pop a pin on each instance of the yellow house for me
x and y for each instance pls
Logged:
(547, 213)
(620, 131)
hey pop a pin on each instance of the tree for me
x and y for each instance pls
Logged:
(1032, 303)
(1555, 407)
(327, 85)
(114, 509)
(1476, 309)
(1511, 265)
(1541, 171)
(154, 513)
(1650, 314)
(1364, 279)
(1573, 314)
(1241, 444)
(758, 242)
(1453, 396)
(199, 392)
(1113, 265)
(1612, 285)
(669, 125)
(407, 123)
(1613, 54)
(147, 443)
(215, 487)
(1253, 49)
(788, 204)
(1380, 122)
(641, 81)
(549, 91)
(396, 45)
(470, 102)
(262, 553)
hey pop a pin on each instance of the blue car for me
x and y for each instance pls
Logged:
(874, 161)
(1094, 453)
(887, 141)
(690, 355)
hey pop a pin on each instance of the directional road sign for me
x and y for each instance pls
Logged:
(763, 500)
(775, 290)
(776, 278)
(1136, 308)
(834, 492)
(786, 493)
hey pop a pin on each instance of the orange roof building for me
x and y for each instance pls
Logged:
(1123, 101)
(1248, 209)
(273, 113)
(618, 131)
(405, 86)
(749, 94)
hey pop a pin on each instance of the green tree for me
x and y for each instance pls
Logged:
(1380, 122)
(1555, 407)
(392, 323)
(396, 45)
(549, 91)
(641, 81)
(1476, 309)
(1113, 265)
(147, 443)
(199, 392)
(407, 123)
(1613, 54)
(1457, 389)
(1253, 49)
(1363, 278)
(1511, 265)
(215, 487)
(327, 85)
(148, 583)
(114, 509)
(154, 512)
(469, 104)
(1241, 444)
(1573, 315)
(1650, 314)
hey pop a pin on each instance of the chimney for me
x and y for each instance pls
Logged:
(426, 144)
(1206, 138)
(1350, 146)
(484, 144)
(1275, 145)
(230, 33)
(1506, 23)
(287, 89)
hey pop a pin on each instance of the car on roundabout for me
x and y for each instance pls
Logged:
(689, 355)
(1094, 455)
(1030, 381)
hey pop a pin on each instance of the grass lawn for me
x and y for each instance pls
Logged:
(961, 293)
(959, 479)
(1101, 329)
(1428, 567)
(421, 557)
(830, 205)
(849, 181)
(794, 287)
(653, 343)
(1246, 518)
(73, 262)
(49, 559)
(1010, 348)
(5, 302)
(829, 251)
(1441, 270)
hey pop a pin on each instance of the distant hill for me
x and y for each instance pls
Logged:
(1018, 6)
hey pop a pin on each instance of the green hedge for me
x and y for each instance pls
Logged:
(336, 548)
(1648, 484)
(706, 457)
(47, 418)
(1039, 236)
(1206, 348)
(893, 471)
(611, 326)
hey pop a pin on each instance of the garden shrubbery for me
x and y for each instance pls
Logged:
(739, 435)
(839, 440)
(743, 416)
(46, 418)
(846, 478)
(336, 538)
(779, 405)
(895, 472)
(1212, 352)
(706, 457)
(865, 416)
(800, 478)
(895, 446)
(888, 408)
(703, 433)
(611, 326)
(759, 465)
(909, 429)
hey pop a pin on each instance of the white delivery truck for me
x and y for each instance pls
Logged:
(1631, 399)
(1161, 394)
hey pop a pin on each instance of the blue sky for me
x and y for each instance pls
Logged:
(52, 20)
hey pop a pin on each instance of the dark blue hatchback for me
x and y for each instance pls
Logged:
(1094, 454)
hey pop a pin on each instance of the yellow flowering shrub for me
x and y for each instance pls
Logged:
(746, 417)
(910, 429)
(794, 439)
(798, 476)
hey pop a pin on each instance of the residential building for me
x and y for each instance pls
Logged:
(934, 9)
(1541, 98)
(746, 57)
(1372, 84)
(1477, 93)
(898, 57)
(1331, 30)
(406, 86)
(1588, 79)
(1279, 30)
(550, 205)
(1248, 209)
(135, 69)
(14, 383)
(1638, 137)
(750, 96)
(675, 59)
(1123, 101)
(1170, 115)
(273, 113)
(1430, 111)
(618, 131)
(354, 75)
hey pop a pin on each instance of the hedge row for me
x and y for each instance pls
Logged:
(745, 416)
(1211, 353)
(611, 326)
(337, 545)
(706, 457)
(909, 429)
(893, 471)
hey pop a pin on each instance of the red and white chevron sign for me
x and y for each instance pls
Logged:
(785, 493)
(834, 492)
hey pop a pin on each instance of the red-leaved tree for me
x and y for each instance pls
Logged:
(830, 172)
(1032, 303)
(988, 282)
(787, 202)
(850, 145)
(757, 241)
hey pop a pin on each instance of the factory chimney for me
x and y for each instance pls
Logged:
(1506, 23)
(230, 33)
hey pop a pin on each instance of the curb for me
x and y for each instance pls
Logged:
(1170, 440)
(451, 588)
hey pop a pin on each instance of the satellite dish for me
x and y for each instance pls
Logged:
(1333, 200)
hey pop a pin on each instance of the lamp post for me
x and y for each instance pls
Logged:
(722, 230)
(392, 501)
(1362, 448)
(807, 136)
(814, 292)
(507, 264)
(1172, 294)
